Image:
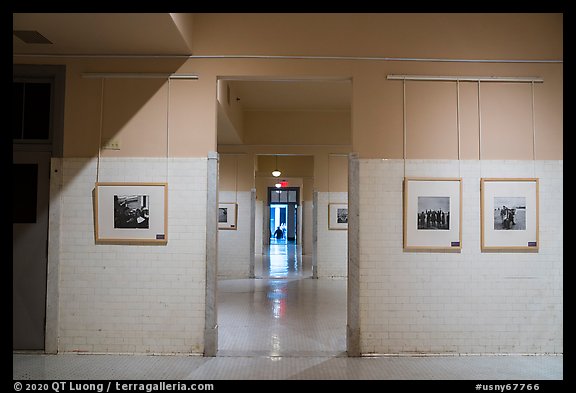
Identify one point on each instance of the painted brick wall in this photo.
(133, 298)
(234, 245)
(468, 302)
(332, 258)
(306, 223)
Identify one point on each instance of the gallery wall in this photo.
(119, 298)
(458, 302)
(124, 298)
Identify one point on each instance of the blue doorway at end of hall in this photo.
(283, 220)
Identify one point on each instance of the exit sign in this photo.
(283, 184)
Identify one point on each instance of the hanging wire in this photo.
(458, 124)
(236, 182)
(329, 198)
(479, 130)
(533, 133)
(100, 131)
(404, 124)
(167, 129)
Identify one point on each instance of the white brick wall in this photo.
(307, 211)
(468, 302)
(133, 298)
(234, 245)
(332, 257)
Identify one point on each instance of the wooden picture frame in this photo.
(131, 213)
(338, 216)
(509, 214)
(432, 214)
(227, 216)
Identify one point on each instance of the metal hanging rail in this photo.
(519, 79)
(133, 75)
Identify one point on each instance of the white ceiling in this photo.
(298, 95)
(103, 33)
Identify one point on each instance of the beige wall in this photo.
(136, 110)
(472, 35)
(431, 126)
(232, 109)
(294, 128)
(290, 166)
(235, 172)
(338, 173)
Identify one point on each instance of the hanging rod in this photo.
(132, 75)
(520, 79)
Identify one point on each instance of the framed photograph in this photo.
(131, 213)
(509, 214)
(337, 216)
(432, 214)
(227, 215)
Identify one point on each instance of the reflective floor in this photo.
(143, 367)
(283, 312)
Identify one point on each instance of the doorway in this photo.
(281, 310)
(283, 203)
(37, 129)
(29, 248)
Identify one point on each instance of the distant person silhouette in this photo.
(278, 233)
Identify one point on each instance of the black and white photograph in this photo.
(223, 214)
(432, 217)
(509, 213)
(227, 215)
(342, 215)
(131, 211)
(433, 213)
(338, 216)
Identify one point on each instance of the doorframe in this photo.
(298, 205)
(353, 258)
(57, 73)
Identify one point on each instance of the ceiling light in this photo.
(276, 172)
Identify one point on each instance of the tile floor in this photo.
(284, 312)
(283, 325)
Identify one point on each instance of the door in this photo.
(31, 187)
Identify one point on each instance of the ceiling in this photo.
(170, 34)
(294, 95)
(105, 33)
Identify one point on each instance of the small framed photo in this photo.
(432, 214)
(131, 213)
(509, 214)
(337, 216)
(227, 215)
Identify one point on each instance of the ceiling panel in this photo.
(102, 33)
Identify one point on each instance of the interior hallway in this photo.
(283, 311)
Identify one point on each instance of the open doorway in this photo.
(297, 127)
(283, 204)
